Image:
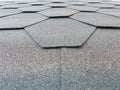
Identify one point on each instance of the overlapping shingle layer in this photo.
(60, 45)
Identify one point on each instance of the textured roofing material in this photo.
(77, 49)
(60, 33)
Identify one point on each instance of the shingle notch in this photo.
(98, 20)
(54, 33)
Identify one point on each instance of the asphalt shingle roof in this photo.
(66, 46)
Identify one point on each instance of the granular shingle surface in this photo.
(69, 45)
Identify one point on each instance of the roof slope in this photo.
(59, 46)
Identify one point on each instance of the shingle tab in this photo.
(5, 12)
(20, 20)
(97, 19)
(58, 12)
(95, 66)
(60, 33)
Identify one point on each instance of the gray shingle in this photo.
(97, 19)
(84, 8)
(5, 12)
(95, 66)
(24, 65)
(33, 8)
(58, 12)
(60, 33)
(77, 3)
(101, 5)
(57, 5)
(38, 3)
(20, 20)
(114, 12)
(14, 6)
(93, 1)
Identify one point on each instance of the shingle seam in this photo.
(19, 28)
(89, 37)
(10, 14)
(82, 22)
(108, 14)
(36, 22)
(32, 38)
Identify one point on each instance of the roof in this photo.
(60, 45)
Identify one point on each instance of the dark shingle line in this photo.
(57, 6)
(30, 11)
(5, 29)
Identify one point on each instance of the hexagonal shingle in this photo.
(58, 12)
(60, 33)
(33, 8)
(84, 8)
(97, 19)
(20, 20)
(5, 12)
